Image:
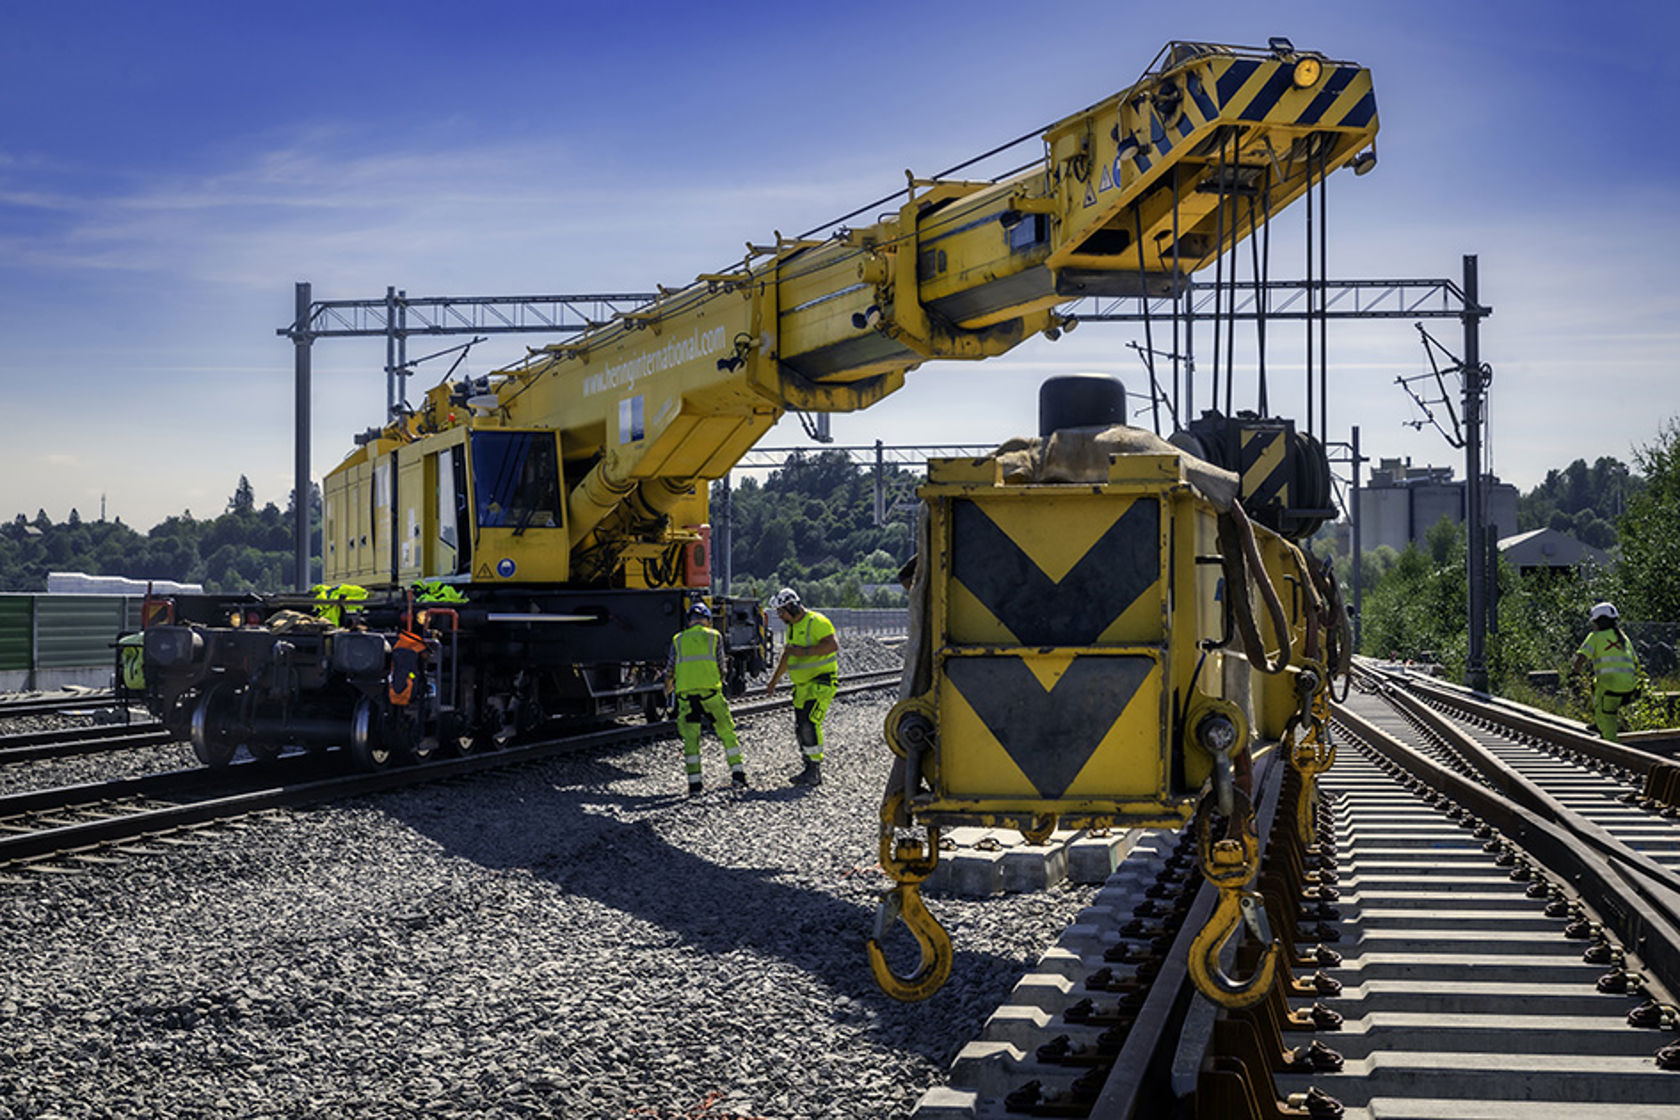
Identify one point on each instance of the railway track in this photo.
(1477, 980)
(32, 746)
(42, 828)
(1503, 901)
(102, 700)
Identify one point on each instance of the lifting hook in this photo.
(1314, 752)
(1236, 908)
(904, 903)
(908, 863)
(1229, 865)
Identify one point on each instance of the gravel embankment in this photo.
(577, 938)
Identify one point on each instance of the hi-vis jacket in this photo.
(696, 661)
(1612, 660)
(807, 630)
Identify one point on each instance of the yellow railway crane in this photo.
(551, 515)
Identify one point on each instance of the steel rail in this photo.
(1529, 794)
(65, 742)
(52, 705)
(1542, 726)
(1174, 1028)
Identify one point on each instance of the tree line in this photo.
(244, 548)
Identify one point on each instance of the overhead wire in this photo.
(1263, 285)
(1311, 411)
(1231, 319)
(1178, 289)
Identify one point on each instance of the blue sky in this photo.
(169, 170)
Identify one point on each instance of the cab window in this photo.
(516, 480)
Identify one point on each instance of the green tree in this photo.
(1650, 532)
(243, 549)
(1420, 607)
(811, 525)
(1602, 489)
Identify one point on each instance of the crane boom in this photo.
(1131, 195)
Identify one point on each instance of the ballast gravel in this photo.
(575, 938)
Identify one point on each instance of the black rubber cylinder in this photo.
(1080, 400)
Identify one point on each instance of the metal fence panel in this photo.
(76, 631)
(17, 615)
(880, 622)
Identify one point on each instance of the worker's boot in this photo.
(695, 785)
(810, 776)
(739, 777)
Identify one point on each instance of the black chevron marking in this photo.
(1267, 491)
(1123, 564)
(1208, 109)
(1260, 444)
(1049, 735)
(1362, 113)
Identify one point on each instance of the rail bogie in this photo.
(389, 678)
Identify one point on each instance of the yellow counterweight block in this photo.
(1068, 628)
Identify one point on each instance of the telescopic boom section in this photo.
(1131, 196)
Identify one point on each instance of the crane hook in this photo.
(908, 862)
(1235, 908)
(904, 903)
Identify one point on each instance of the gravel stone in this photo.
(577, 937)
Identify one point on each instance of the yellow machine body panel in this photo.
(355, 538)
(469, 503)
(1092, 722)
(1265, 125)
(1073, 629)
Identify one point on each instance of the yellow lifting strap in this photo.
(908, 863)
(1229, 865)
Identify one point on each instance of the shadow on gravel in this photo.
(608, 846)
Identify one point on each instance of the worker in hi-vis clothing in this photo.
(811, 658)
(694, 676)
(1615, 671)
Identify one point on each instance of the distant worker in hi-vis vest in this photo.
(1615, 671)
(811, 658)
(694, 676)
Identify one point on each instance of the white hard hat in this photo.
(1603, 610)
(786, 597)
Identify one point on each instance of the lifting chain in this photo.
(1230, 865)
(908, 862)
